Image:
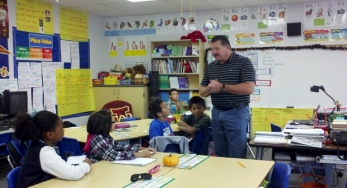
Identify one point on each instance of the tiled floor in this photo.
(5, 168)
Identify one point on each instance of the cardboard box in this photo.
(101, 75)
(98, 81)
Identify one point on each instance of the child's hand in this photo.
(143, 153)
(149, 149)
(87, 160)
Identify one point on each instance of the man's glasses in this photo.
(143, 176)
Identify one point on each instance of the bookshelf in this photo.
(195, 77)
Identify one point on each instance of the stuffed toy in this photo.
(128, 73)
(139, 69)
(193, 36)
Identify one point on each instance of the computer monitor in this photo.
(13, 102)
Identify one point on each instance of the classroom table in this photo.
(213, 172)
(222, 172)
(80, 133)
(107, 174)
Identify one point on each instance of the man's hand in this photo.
(214, 86)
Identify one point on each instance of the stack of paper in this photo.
(332, 159)
(306, 141)
(270, 138)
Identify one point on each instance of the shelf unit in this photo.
(194, 78)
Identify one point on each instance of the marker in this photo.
(241, 164)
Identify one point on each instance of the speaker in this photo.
(154, 84)
(294, 29)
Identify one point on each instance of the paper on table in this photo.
(137, 161)
(76, 159)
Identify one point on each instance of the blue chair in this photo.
(275, 128)
(346, 185)
(69, 147)
(172, 148)
(280, 176)
(4, 139)
(17, 150)
(201, 141)
(12, 178)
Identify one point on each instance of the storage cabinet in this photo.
(136, 95)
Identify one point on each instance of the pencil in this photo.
(241, 164)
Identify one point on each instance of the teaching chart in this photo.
(73, 25)
(35, 16)
(263, 117)
(49, 84)
(74, 92)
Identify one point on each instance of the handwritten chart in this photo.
(35, 16)
(75, 92)
(49, 84)
(73, 25)
(263, 117)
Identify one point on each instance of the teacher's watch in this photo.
(223, 88)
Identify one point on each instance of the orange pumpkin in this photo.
(170, 160)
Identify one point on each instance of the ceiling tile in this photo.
(132, 8)
(222, 4)
(297, 1)
(160, 6)
(262, 2)
(196, 5)
(102, 10)
(109, 1)
(74, 3)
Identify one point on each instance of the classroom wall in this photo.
(285, 92)
(95, 26)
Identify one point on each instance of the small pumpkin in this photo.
(170, 160)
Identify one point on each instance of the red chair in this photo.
(119, 109)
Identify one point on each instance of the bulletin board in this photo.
(263, 117)
(25, 51)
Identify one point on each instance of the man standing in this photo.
(230, 80)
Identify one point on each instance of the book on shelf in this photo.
(174, 66)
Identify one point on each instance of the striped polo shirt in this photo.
(236, 70)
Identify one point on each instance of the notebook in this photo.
(74, 160)
(137, 161)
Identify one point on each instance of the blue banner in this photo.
(40, 41)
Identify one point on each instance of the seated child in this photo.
(41, 161)
(159, 126)
(198, 119)
(101, 146)
(173, 100)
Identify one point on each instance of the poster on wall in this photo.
(271, 37)
(38, 49)
(325, 13)
(4, 69)
(271, 16)
(244, 38)
(135, 46)
(316, 35)
(338, 34)
(235, 19)
(73, 25)
(113, 47)
(35, 16)
(4, 25)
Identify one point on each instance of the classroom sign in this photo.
(325, 13)
(244, 38)
(35, 16)
(113, 47)
(271, 37)
(338, 34)
(271, 16)
(316, 35)
(39, 48)
(235, 19)
(135, 46)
